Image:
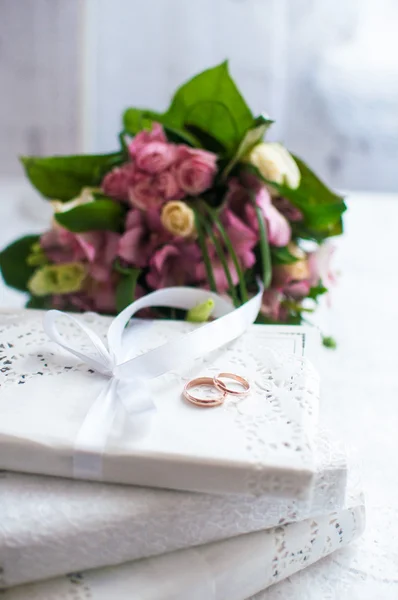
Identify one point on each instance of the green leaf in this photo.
(137, 119)
(125, 290)
(13, 262)
(206, 140)
(63, 177)
(180, 137)
(282, 256)
(210, 102)
(120, 268)
(296, 307)
(316, 291)
(313, 188)
(264, 247)
(101, 215)
(251, 138)
(293, 319)
(39, 302)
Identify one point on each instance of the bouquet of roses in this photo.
(193, 197)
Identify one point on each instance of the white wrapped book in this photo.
(232, 569)
(263, 444)
(50, 526)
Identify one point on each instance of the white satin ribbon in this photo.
(118, 389)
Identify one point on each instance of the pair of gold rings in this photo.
(217, 383)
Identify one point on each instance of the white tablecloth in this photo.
(359, 400)
(359, 403)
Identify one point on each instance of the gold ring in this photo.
(223, 388)
(202, 401)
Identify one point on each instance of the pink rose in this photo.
(144, 234)
(145, 194)
(174, 264)
(146, 137)
(116, 183)
(195, 169)
(155, 157)
(167, 185)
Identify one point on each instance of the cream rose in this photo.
(275, 164)
(178, 218)
(284, 274)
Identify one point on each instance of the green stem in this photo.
(231, 251)
(264, 247)
(223, 260)
(205, 253)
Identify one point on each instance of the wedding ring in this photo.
(200, 381)
(220, 385)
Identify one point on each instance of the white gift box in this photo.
(261, 444)
(233, 569)
(50, 526)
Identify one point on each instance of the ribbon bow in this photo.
(111, 362)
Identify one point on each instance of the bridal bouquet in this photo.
(194, 196)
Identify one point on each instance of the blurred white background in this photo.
(327, 72)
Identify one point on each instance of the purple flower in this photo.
(144, 234)
(242, 237)
(174, 264)
(287, 209)
(239, 199)
(63, 246)
(243, 240)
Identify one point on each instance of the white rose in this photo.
(275, 164)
